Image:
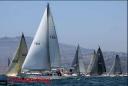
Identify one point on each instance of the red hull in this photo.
(28, 80)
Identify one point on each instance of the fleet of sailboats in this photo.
(44, 59)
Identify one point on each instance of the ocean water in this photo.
(81, 81)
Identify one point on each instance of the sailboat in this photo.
(78, 64)
(43, 55)
(116, 68)
(18, 59)
(97, 64)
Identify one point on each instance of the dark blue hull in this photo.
(3, 80)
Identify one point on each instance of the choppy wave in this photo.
(81, 81)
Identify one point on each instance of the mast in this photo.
(116, 68)
(48, 13)
(18, 59)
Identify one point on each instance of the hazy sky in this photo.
(89, 23)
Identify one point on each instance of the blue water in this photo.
(82, 81)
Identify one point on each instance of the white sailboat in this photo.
(17, 61)
(44, 54)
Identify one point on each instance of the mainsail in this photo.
(53, 43)
(18, 59)
(116, 68)
(44, 50)
(78, 63)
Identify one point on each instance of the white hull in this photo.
(112, 75)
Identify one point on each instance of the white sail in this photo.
(92, 68)
(81, 62)
(44, 51)
(82, 66)
(38, 57)
(18, 59)
(53, 43)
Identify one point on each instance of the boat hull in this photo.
(28, 80)
(3, 80)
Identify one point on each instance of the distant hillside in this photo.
(8, 47)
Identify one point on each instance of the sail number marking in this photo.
(37, 43)
(53, 37)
